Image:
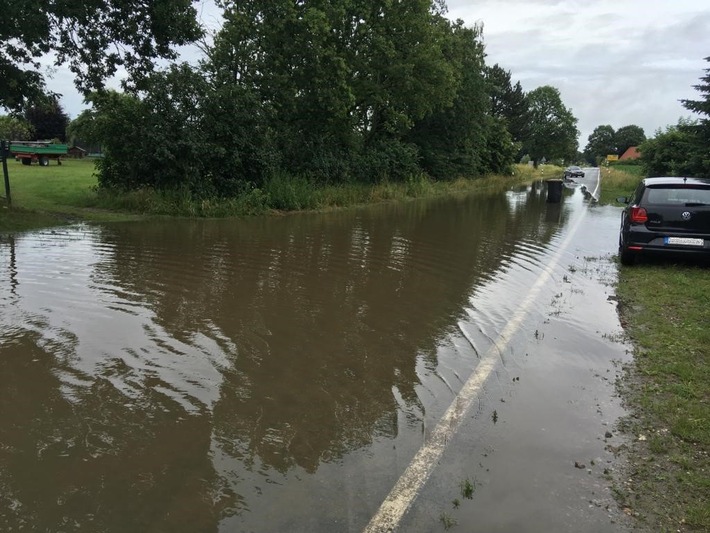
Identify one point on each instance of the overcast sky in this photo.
(616, 62)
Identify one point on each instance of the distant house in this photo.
(77, 152)
(632, 152)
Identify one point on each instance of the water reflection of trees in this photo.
(317, 320)
(92, 464)
(328, 313)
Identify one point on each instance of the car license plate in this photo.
(684, 241)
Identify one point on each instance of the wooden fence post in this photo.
(5, 150)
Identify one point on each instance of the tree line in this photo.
(333, 91)
(682, 149)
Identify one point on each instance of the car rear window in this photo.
(678, 195)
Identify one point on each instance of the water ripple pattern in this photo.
(67, 299)
(186, 375)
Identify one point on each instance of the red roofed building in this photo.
(632, 152)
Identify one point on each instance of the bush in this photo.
(387, 159)
(290, 193)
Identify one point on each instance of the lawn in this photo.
(55, 188)
(44, 196)
(55, 194)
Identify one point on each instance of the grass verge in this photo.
(45, 196)
(664, 309)
(617, 182)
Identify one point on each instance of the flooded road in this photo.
(281, 374)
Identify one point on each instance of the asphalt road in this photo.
(528, 443)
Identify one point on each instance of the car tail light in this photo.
(638, 215)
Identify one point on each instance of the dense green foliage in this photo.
(628, 136)
(47, 120)
(601, 142)
(699, 132)
(14, 129)
(684, 149)
(605, 141)
(466, 138)
(94, 38)
(326, 92)
(509, 102)
(553, 127)
(321, 93)
(671, 151)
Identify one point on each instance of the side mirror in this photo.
(622, 199)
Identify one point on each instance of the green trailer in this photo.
(37, 151)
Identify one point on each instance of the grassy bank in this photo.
(664, 309)
(618, 181)
(44, 196)
(53, 195)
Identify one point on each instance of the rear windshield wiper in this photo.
(695, 204)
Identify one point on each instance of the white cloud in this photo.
(615, 62)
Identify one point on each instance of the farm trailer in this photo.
(40, 152)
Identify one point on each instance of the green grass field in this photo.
(45, 196)
(55, 188)
(51, 195)
(618, 182)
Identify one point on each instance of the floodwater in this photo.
(279, 374)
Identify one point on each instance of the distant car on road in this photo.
(574, 172)
(669, 215)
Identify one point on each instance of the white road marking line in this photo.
(599, 182)
(422, 465)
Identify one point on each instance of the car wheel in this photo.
(626, 257)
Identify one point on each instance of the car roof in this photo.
(674, 180)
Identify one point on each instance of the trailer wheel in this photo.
(44, 161)
(26, 161)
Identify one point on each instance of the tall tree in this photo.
(94, 38)
(80, 130)
(671, 152)
(14, 129)
(508, 102)
(702, 106)
(158, 140)
(465, 139)
(336, 75)
(628, 136)
(553, 127)
(700, 130)
(601, 143)
(48, 120)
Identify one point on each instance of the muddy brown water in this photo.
(279, 374)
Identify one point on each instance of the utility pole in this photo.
(5, 151)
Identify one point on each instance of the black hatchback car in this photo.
(666, 216)
(574, 172)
